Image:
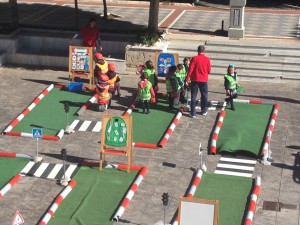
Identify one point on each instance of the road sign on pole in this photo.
(37, 133)
(18, 219)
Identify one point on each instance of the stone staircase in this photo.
(253, 57)
(50, 49)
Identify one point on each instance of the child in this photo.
(114, 80)
(186, 63)
(101, 64)
(181, 75)
(173, 87)
(231, 85)
(145, 92)
(149, 69)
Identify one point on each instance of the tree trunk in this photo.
(105, 9)
(153, 15)
(13, 14)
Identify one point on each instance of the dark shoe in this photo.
(232, 108)
(227, 101)
(172, 108)
(190, 115)
(203, 113)
(118, 95)
(144, 112)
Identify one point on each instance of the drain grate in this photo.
(272, 206)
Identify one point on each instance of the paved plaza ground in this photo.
(280, 181)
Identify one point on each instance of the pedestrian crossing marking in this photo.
(236, 166)
(86, 125)
(50, 171)
(211, 105)
(54, 171)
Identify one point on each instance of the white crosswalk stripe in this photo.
(86, 125)
(236, 166)
(50, 171)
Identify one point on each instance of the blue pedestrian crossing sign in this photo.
(37, 133)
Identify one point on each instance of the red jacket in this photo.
(199, 69)
(89, 36)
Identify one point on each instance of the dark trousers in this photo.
(203, 87)
(146, 105)
(232, 95)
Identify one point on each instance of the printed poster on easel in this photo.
(81, 62)
(164, 61)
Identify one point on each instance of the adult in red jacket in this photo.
(199, 70)
(90, 35)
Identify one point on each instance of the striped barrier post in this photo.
(15, 155)
(28, 109)
(87, 104)
(192, 190)
(170, 130)
(57, 202)
(266, 152)
(213, 144)
(130, 194)
(9, 185)
(253, 200)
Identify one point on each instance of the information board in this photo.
(164, 61)
(81, 63)
(195, 211)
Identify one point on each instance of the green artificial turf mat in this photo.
(244, 129)
(9, 167)
(149, 128)
(49, 114)
(231, 191)
(94, 198)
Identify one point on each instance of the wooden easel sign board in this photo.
(80, 59)
(195, 211)
(164, 61)
(116, 138)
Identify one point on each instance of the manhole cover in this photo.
(272, 206)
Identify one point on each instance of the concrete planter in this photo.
(138, 54)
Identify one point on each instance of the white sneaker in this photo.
(203, 113)
(192, 116)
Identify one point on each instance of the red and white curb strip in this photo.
(254, 101)
(132, 106)
(170, 129)
(28, 109)
(192, 190)
(86, 105)
(8, 186)
(253, 200)
(213, 144)
(57, 202)
(130, 194)
(14, 155)
(266, 152)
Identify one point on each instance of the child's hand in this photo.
(228, 91)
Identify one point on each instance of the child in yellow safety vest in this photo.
(173, 87)
(231, 85)
(114, 80)
(181, 75)
(149, 69)
(101, 65)
(145, 92)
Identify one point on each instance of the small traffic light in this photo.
(165, 198)
(63, 153)
(67, 107)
